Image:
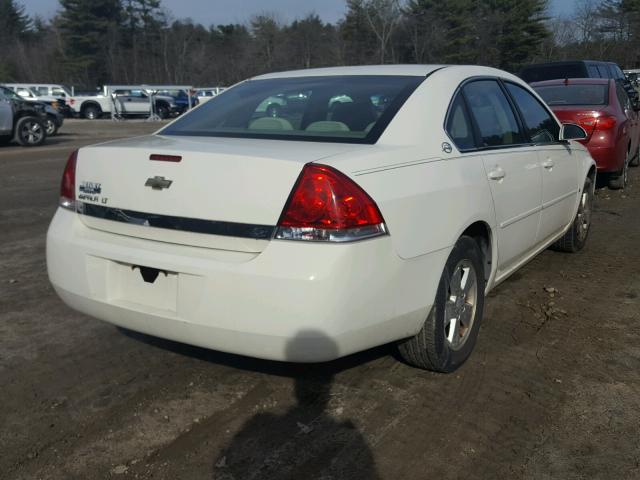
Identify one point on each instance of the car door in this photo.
(559, 162)
(6, 114)
(138, 102)
(512, 168)
(633, 123)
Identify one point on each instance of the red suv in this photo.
(603, 108)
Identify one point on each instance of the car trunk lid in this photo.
(215, 192)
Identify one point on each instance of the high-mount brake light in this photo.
(327, 206)
(165, 158)
(68, 184)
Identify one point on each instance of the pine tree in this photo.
(514, 30)
(87, 28)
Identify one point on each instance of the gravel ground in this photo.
(551, 392)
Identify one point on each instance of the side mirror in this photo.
(571, 131)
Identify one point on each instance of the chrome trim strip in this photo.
(559, 199)
(522, 216)
(186, 224)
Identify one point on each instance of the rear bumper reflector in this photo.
(185, 224)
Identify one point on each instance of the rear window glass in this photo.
(552, 72)
(574, 94)
(350, 109)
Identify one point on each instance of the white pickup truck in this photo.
(124, 100)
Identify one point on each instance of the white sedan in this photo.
(369, 205)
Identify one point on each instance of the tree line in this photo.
(92, 42)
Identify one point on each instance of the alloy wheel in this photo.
(585, 210)
(32, 132)
(460, 306)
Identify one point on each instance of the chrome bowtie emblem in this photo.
(158, 183)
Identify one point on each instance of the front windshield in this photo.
(10, 94)
(350, 109)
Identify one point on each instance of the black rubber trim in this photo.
(211, 227)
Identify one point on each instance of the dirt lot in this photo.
(552, 390)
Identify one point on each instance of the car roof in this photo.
(396, 70)
(391, 70)
(573, 81)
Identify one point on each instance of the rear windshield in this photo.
(539, 73)
(349, 109)
(574, 94)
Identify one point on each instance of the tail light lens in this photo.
(326, 205)
(606, 123)
(68, 184)
(592, 121)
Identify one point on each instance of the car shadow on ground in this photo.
(305, 441)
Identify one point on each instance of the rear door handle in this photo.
(497, 174)
(548, 164)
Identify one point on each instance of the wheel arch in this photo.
(483, 235)
(90, 103)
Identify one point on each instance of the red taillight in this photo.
(68, 184)
(606, 123)
(326, 205)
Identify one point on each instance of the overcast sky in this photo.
(239, 11)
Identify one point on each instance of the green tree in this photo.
(89, 30)
(511, 32)
(443, 31)
(359, 40)
(14, 22)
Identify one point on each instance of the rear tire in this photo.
(91, 112)
(50, 126)
(449, 333)
(575, 238)
(30, 132)
(635, 161)
(620, 180)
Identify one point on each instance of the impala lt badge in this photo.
(158, 183)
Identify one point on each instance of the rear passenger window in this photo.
(493, 114)
(540, 125)
(593, 71)
(604, 71)
(458, 125)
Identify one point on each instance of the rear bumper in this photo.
(606, 158)
(294, 301)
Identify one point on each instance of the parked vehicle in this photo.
(128, 100)
(136, 101)
(21, 121)
(604, 110)
(46, 89)
(206, 94)
(578, 69)
(180, 98)
(57, 103)
(309, 237)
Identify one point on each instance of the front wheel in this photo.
(449, 333)
(576, 237)
(50, 126)
(30, 132)
(163, 111)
